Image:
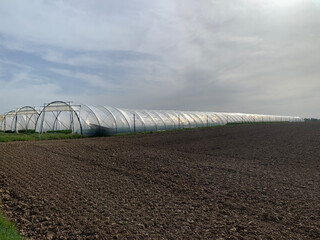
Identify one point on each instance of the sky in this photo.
(250, 56)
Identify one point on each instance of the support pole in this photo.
(42, 120)
(16, 130)
(134, 123)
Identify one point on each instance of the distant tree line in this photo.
(311, 120)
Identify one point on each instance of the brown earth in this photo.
(238, 182)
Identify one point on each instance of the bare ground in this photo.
(238, 182)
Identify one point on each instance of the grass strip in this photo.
(8, 230)
(11, 137)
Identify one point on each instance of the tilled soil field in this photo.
(235, 182)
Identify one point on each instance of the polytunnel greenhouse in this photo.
(1, 120)
(106, 120)
(24, 118)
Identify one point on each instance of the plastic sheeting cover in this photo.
(107, 120)
(21, 119)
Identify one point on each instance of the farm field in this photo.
(234, 182)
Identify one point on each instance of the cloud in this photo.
(242, 56)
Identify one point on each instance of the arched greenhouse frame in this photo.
(107, 120)
(23, 118)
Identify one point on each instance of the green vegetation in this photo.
(30, 135)
(25, 131)
(61, 131)
(311, 120)
(8, 230)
